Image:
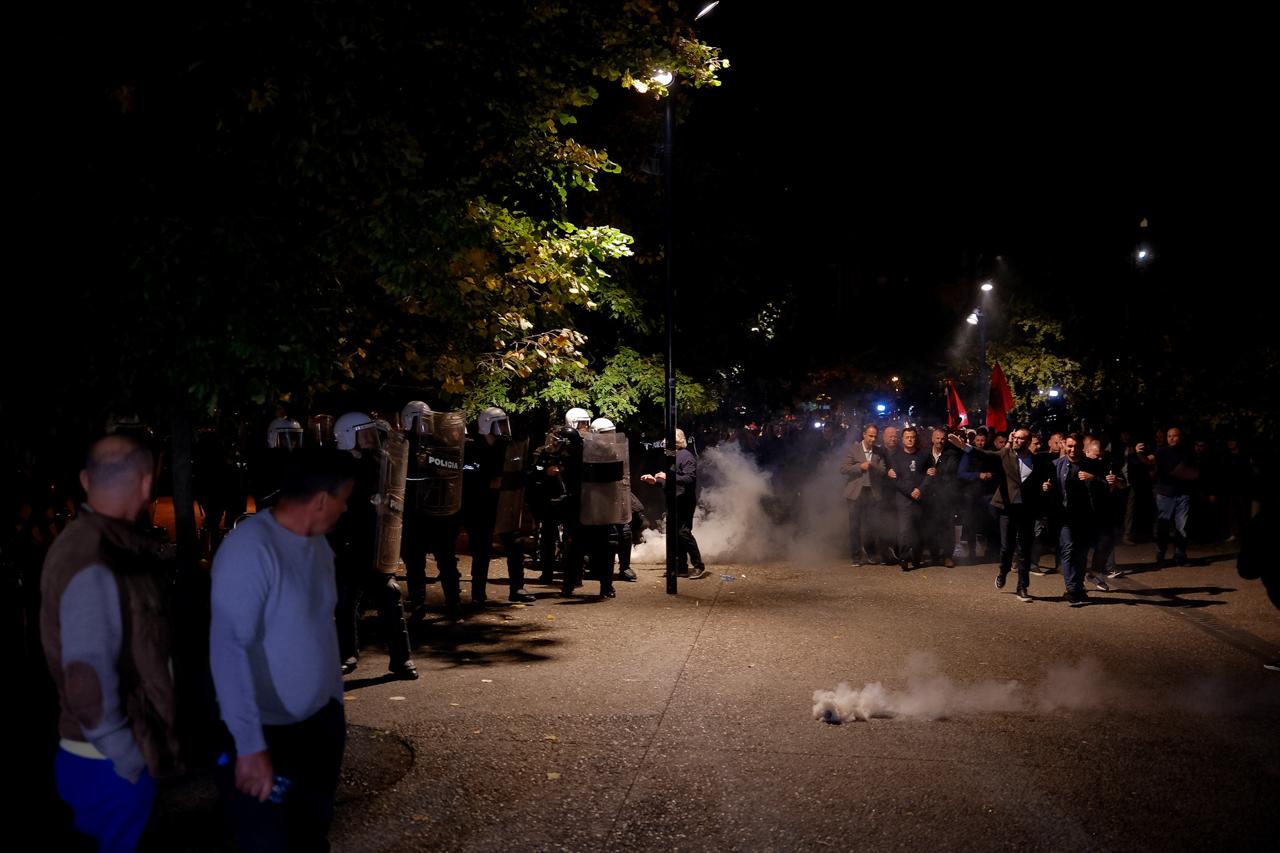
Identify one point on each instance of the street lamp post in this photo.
(669, 451)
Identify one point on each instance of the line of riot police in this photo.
(425, 480)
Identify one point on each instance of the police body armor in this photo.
(511, 494)
(547, 491)
(606, 481)
(390, 501)
(435, 463)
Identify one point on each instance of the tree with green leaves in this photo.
(280, 200)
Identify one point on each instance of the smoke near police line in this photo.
(747, 514)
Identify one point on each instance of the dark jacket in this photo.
(910, 469)
(1010, 488)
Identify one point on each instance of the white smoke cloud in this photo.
(929, 695)
(734, 525)
(1081, 686)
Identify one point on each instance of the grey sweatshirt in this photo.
(273, 647)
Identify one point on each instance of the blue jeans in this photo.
(107, 807)
(1172, 510)
(1074, 539)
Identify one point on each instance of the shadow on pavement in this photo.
(481, 642)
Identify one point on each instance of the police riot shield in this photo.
(320, 431)
(511, 496)
(436, 464)
(390, 500)
(606, 480)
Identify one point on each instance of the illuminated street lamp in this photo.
(978, 317)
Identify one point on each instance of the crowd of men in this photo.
(913, 491)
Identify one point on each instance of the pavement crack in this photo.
(648, 747)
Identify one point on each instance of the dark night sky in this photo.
(862, 149)
(905, 141)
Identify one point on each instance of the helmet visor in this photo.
(289, 439)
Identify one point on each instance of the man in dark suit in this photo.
(1071, 503)
(1016, 501)
(863, 465)
(906, 472)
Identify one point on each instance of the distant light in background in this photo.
(663, 78)
(706, 10)
(881, 407)
(1054, 393)
(987, 286)
(972, 319)
(893, 379)
(817, 424)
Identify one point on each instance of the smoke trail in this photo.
(1081, 686)
(929, 695)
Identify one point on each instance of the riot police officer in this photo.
(621, 536)
(354, 541)
(598, 492)
(546, 497)
(433, 500)
(493, 469)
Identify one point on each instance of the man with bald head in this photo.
(108, 651)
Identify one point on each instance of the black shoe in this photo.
(405, 671)
(1273, 665)
(546, 579)
(453, 611)
(349, 665)
(1023, 595)
(904, 565)
(697, 573)
(519, 596)
(918, 565)
(628, 574)
(1000, 579)
(1079, 598)
(608, 593)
